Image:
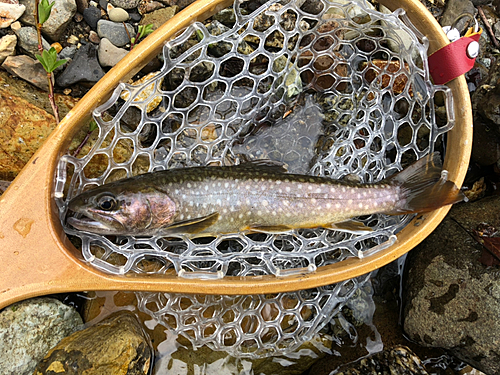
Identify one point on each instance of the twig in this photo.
(488, 27)
(52, 100)
(83, 142)
(38, 28)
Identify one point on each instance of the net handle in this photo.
(38, 258)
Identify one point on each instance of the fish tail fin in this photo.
(424, 187)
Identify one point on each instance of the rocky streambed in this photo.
(433, 312)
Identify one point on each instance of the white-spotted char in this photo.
(253, 197)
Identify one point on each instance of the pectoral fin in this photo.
(192, 226)
(350, 226)
(274, 229)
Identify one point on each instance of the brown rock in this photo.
(158, 17)
(24, 122)
(17, 87)
(116, 345)
(180, 3)
(28, 69)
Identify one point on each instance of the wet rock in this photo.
(115, 32)
(451, 299)
(29, 329)
(26, 120)
(226, 17)
(83, 68)
(180, 3)
(454, 10)
(92, 15)
(29, 94)
(7, 47)
(114, 346)
(28, 69)
(109, 54)
(10, 11)
(486, 99)
(125, 4)
(204, 359)
(60, 16)
(398, 360)
(27, 39)
(135, 17)
(158, 17)
(118, 15)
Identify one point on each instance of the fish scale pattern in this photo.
(329, 88)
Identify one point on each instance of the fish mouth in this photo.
(88, 224)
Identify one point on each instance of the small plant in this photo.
(92, 127)
(142, 32)
(48, 59)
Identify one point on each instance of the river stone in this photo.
(452, 300)
(28, 329)
(115, 346)
(158, 17)
(28, 69)
(125, 4)
(109, 54)
(7, 46)
(118, 15)
(28, 40)
(455, 9)
(486, 99)
(398, 360)
(180, 3)
(115, 32)
(60, 16)
(10, 12)
(83, 68)
(92, 15)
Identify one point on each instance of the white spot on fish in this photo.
(313, 200)
(176, 191)
(265, 203)
(310, 187)
(189, 185)
(349, 201)
(224, 211)
(343, 189)
(240, 216)
(360, 205)
(337, 205)
(301, 204)
(184, 196)
(287, 189)
(259, 213)
(231, 219)
(226, 185)
(299, 186)
(181, 217)
(328, 205)
(318, 190)
(218, 202)
(206, 187)
(278, 182)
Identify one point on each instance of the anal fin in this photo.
(192, 226)
(350, 226)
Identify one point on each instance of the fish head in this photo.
(121, 210)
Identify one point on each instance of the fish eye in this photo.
(106, 203)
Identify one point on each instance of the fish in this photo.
(257, 196)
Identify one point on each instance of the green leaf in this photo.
(49, 61)
(92, 126)
(44, 9)
(145, 30)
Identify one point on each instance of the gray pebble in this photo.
(115, 32)
(68, 52)
(125, 4)
(92, 15)
(28, 40)
(83, 68)
(109, 55)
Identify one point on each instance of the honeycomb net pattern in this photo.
(329, 88)
(251, 326)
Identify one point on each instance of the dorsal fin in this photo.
(265, 165)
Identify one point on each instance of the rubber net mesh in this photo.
(332, 89)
